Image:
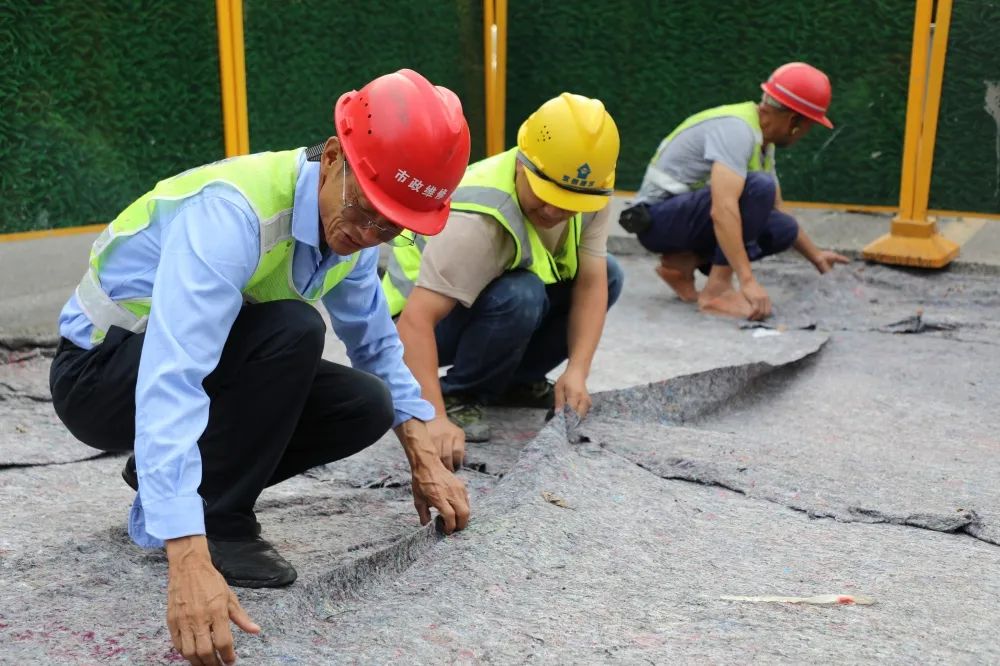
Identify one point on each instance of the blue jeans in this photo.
(683, 223)
(515, 332)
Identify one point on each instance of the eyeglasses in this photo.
(530, 166)
(387, 232)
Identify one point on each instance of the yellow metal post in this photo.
(928, 134)
(240, 78)
(232, 76)
(913, 239)
(226, 76)
(495, 72)
(500, 90)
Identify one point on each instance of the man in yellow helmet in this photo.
(519, 280)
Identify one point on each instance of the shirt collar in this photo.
(305, 209)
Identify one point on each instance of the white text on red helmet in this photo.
(417, 185)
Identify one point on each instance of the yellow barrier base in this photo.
(912, 243)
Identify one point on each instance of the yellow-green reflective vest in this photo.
(745, 111)
(266, 180)
(488, 188)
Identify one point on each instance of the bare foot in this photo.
(729, 303)
(682, 283)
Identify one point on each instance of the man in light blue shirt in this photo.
(192, 340)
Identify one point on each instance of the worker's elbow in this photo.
(414, 323)
(725, 209)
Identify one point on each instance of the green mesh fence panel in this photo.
(98, 101)
(302, 55)
(966, 172)
(655, 63)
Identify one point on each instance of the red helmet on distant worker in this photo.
(407, 142)
(803, 89)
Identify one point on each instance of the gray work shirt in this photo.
(689, 156)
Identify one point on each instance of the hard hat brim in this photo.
(789, 103)
(554, 195)
(428, 223)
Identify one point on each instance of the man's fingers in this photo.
(461, 506)
(457, 455)
(240, 617)
(222, 636)
(448, 516)
(841, 259)
(422, 510)
(445, 452)
(204, 648)
(459, 498)
(188, 648)
(575, 402)
(560, 396)
(184, 642)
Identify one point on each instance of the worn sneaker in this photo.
(467, 415)
(540, 394)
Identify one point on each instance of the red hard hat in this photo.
(803, 89)
(408, 145)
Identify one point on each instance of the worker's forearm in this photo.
(417, 444)
(586, 323)
(804, 246)
(420, 356)
(729, 234)
(185, 551)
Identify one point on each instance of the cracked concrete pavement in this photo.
(831, 452)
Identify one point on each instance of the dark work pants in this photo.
(515, 332)
(277, 408)
(683, 223)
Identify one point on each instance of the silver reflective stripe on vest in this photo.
(102, 242)
(397, 277)
(274, 231)
(665, 181)
(491, 197)
(101, 310)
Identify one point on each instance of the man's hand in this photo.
(433, 485)
(450, 440)
(571, 391)
(200, 605)
(825, 260)
(757, 296)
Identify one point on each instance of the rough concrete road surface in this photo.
(849, 447)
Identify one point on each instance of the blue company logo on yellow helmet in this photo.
(582, 172)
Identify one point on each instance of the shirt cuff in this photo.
(413, 409)
(175, 517)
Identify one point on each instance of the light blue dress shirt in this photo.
(195, 258)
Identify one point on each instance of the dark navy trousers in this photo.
(683, 223)
(515, 332)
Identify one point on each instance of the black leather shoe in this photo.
(251, 563)
(130, 475)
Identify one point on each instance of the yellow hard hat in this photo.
(569, 148)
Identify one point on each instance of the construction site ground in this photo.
(849, 447)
